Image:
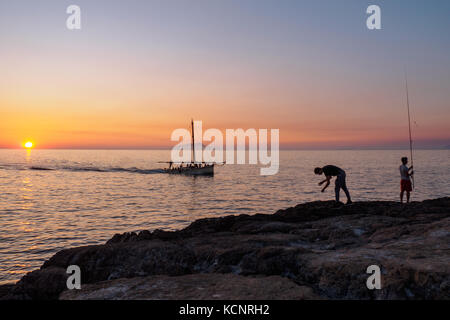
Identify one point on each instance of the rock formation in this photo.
(316, 250)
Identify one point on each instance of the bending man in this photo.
(332, 171)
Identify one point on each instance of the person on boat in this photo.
(405, 180)
(331, 171)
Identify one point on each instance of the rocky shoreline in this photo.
(316, 250)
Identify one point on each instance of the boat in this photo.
(193, 168)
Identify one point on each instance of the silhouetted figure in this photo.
(405, 180)
(332, 171)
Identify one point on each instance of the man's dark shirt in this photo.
(332, 170)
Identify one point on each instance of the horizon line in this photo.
(281, 149)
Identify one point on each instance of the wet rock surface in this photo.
(320, 246)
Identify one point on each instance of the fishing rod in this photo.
(409, 127)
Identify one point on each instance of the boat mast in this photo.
(193, 140)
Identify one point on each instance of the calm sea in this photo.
(55, 199)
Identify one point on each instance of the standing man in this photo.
(332, 171)
(405, 182)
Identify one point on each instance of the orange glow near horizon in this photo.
(127, 107)
(128, 118)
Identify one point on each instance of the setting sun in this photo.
(28, 145)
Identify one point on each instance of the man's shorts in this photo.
(405, 185)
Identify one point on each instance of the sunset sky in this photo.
(137, 70)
